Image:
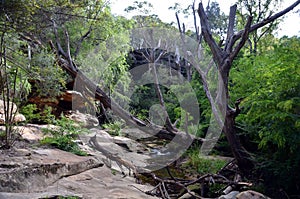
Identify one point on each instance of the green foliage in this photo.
(114, 128)
(33, 115)
(272, 93)
(270, 116)
(204, 164)
(204, 105)
(142, 7)
(216, 18)
(49, 79)
(63, 136)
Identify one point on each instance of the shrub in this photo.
(63, 137)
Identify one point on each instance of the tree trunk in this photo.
(242, 157)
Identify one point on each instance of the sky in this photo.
(290, 25)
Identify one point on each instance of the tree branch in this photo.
(207, 34)
(267, 20)
(230, 31)
(195, 22)
(82, 38)
(242, 41)
(69, 51)
(60, 50)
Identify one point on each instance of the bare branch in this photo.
(195, 21)
(69, 51)
(60, 50)
(267, 20)
(231, 24)
(82, 38)
(243, 39)
(216, 50)
(178, 22)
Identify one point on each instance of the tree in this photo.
(224, 57)
(14, 85)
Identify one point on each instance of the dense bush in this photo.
(270, 118)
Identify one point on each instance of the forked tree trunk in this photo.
(223, 56)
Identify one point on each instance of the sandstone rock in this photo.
(17, 117)
(127, 150)
(251, 195)
(85, 120)
(31, 132)
(135, 133)
(187, 196)
(49, 173)
(231, 195)
(97, 183)
(129, 144)
(11, 104)
(40, 169)
(73, 100)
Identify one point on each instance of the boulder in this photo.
(17, 116)
(11, 104)
(97, 183)
(251, 195)
(85, 120)
(188, 196)
(231, 195)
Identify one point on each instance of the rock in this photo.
(127, 150)
(40, 169)
(187, 196)
(72, 100)
(11, 104)
(97, 183)
(85, 120)
(251, 195)
(17, 117)
(231, 195)
(38, 173)
(102, 183)
(129, 144)
(31, 132)
(135, 133)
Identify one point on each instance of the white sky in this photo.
(290, 26)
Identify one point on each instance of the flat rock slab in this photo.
(28, 172)
(92, 184)
(32, 170)
(99, 182)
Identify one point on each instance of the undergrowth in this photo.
(204, 164)
(64, 135)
